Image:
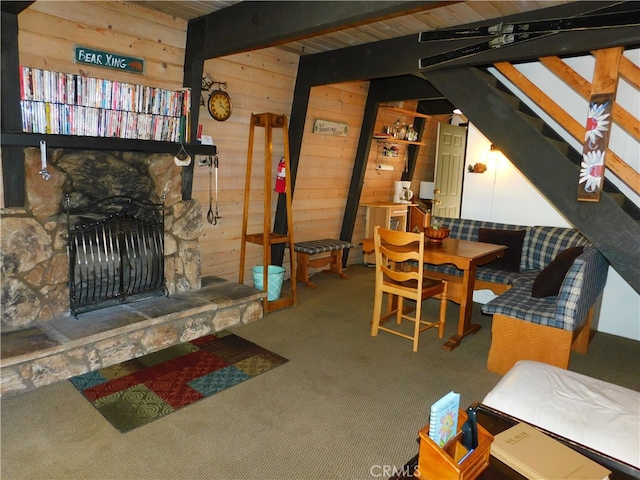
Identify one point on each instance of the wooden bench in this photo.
(332, 247)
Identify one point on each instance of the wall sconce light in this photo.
(477, 168)
(490, 158)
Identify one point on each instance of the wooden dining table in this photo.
(466, 255)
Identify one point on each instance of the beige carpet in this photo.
(345, 406)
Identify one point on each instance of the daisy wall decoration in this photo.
(596, 141)
(597, 122)
(592, 170)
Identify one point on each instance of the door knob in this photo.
(436, 191)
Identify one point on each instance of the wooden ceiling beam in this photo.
(364, 62)
(253, 25)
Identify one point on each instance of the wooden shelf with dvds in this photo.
(70, 104)
(14, 138)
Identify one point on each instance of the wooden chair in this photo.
(400, 280)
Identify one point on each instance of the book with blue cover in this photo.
(443, 422)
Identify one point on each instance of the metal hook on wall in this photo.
(207, 83)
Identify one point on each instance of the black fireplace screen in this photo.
(116, 253)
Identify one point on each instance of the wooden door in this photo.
(450, 150)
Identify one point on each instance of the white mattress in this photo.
(597, 414)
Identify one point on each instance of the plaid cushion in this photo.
(314, 247)
(543, 244)
(580, 289)
(494, 275)
(517, 302)
(482, 273)
(582, 285)
(465, 229)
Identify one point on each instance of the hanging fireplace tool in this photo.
(212, 163)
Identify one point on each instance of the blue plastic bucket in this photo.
(275, 277)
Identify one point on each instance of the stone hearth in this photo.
(52, 351)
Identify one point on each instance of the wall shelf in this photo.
(399, 142)
(400, 111)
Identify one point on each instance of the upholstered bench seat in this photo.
(594, 413)
(330, 246)
(314, 247)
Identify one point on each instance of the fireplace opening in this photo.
(116, 252)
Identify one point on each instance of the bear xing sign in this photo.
(109, 60)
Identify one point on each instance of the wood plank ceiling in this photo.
(432, 16)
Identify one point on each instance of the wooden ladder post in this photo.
(267, 238)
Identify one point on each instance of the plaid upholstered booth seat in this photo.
(525, 327)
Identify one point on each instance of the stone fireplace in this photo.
(34, 244)
(41, 342)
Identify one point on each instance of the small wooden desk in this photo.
(465, 255)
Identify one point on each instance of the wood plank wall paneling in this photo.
(258, 81)
(50, 30)
(326, 161)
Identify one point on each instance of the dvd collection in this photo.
(69, 104)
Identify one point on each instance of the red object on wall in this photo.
(281, 177)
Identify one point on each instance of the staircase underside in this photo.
(604, 223)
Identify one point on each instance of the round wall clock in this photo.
(219, 105)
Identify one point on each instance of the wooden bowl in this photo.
(436, 235)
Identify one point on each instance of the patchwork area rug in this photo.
(139, 391)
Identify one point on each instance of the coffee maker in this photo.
(402, 193)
